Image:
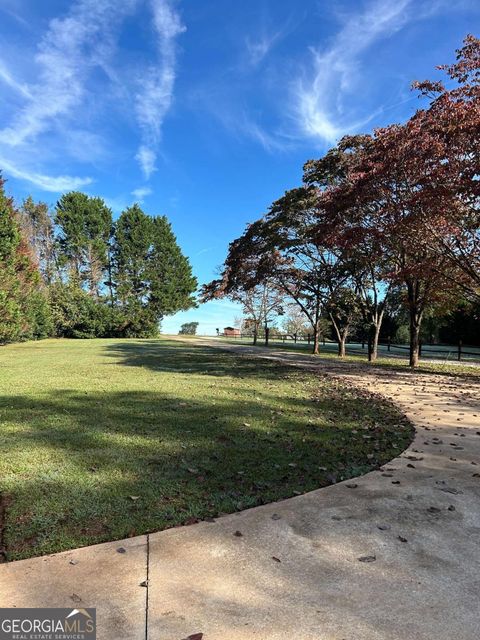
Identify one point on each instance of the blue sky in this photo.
(204, 110)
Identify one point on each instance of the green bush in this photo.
(38, 315)
(402, 336)
(10, 312)
(76, 314)
(136, 321)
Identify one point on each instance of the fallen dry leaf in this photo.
(367, 558)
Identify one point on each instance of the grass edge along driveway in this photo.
(105, 439)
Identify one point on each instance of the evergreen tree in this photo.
(85, 225)
(76, 314)
(169, 272)
(10, 310)
(22, 304)
(132, 241)
(152, 276)
(52, 271)
(38, 229)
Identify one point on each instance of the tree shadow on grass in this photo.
(82, 468)
(385, 365)
(170, 356)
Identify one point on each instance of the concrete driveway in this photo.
(396, 557)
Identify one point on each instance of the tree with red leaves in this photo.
(346, 233)
(282, 247)
(450, 130)
(389, 194)
(398, 209)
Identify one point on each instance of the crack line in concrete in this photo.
(148, 587)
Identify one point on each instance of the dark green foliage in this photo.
(152, 276)
(139, 321)
(10, 310)
(440, 325)
(133, 233)
(39, 316)
(76, 314)
(169, 272)
(463, 324)
(188, 329)
(76, 275)
(9, 232)
(85, 225)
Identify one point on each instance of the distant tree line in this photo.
(75, 273)
(188, 329)
(460, 322)
(384, 229)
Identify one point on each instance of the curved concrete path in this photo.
(295, 570)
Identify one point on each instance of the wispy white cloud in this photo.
(243, 124)
(14, 14)
(146, 158)
(202, 251)
(155, 97)
(141, 193)
(8, 78)
(116, 203)
(71, 47)
(56, 184)
(268, 33)
(258, 48)
(68, 52)
(318, 95)
(234, 117)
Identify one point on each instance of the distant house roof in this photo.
(231, 331)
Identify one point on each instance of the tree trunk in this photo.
(373, 341)
(316, 340)
(254, 337)
(416, 313)
(341, 336)
(376, 335)
(316, 328)
(110, 276)
(414, 340)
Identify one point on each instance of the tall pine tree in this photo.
(85, 225)
(169, 272)
(152, 276)
(38, 228)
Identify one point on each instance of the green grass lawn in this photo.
(103, 439)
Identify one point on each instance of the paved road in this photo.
(295, 571)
